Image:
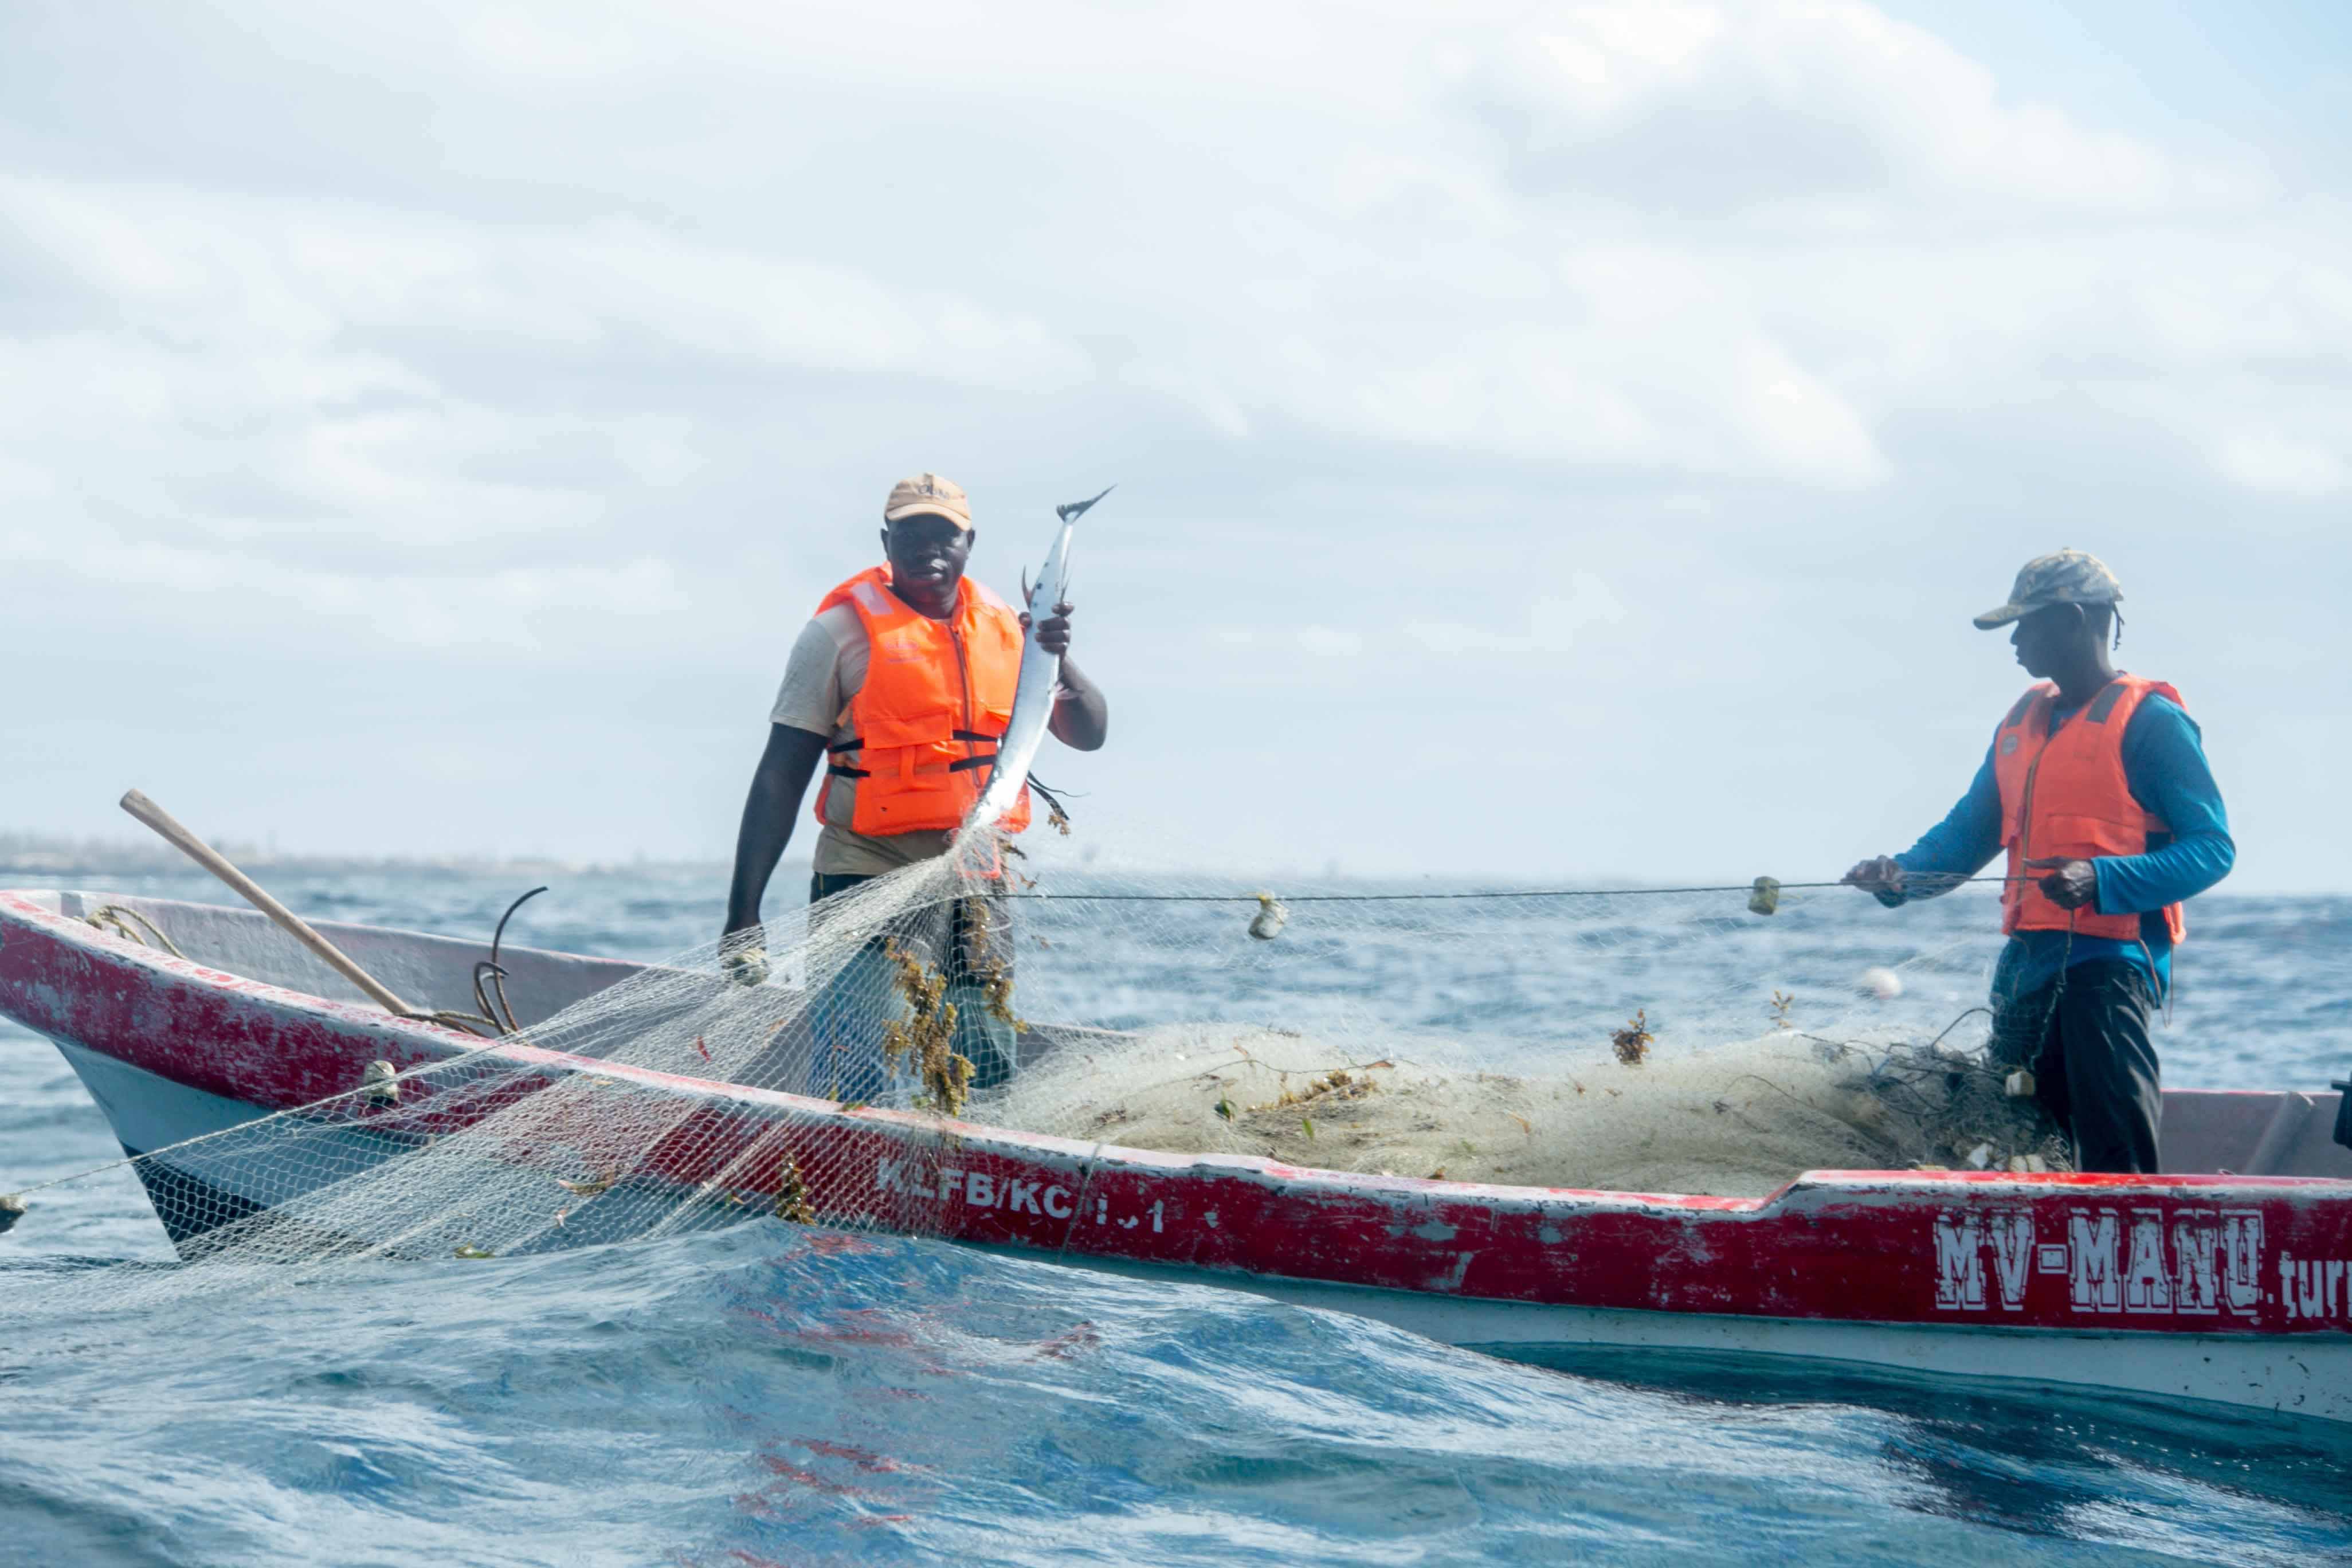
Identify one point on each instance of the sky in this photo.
(1552, 441)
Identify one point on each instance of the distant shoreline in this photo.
(47, 857)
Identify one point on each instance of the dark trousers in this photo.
(967, 942)
(2085, 1039)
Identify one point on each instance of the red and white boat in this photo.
(2229, 1282)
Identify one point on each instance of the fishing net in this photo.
(1708, 1040)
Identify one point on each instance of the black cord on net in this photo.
(1938, 884)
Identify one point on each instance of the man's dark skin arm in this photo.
(1081, 715)
(768, 814)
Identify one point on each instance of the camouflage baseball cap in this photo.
(2069, 577)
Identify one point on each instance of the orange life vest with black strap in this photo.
(937, 698)
(2066, 796)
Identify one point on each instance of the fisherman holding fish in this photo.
(2097, 786)
(902, 685)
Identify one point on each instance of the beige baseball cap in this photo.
(929, 495)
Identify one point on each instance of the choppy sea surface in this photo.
(774, 1394)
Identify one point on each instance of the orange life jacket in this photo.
(2066, 796)
(937, 696)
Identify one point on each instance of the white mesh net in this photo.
(1642, 1041)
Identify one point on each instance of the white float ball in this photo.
(1883, 984)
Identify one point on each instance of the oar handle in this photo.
(213, 860)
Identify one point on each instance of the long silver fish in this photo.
(1033, 701)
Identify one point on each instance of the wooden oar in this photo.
(213, 860)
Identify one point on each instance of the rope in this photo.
(1938, 884)
(113, 916)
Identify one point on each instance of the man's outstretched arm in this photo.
(769, 811)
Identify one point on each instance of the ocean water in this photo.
(775, 1394)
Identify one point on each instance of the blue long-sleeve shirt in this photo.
(2165, 768)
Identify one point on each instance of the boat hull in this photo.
(2230, 1289)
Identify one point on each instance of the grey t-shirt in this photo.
(825, 670)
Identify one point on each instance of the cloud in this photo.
(1553, 626)
(511, 608)
(1717, 108)
(1325, 642)
(289, 272)
(2266, 460)
(1389, 278)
